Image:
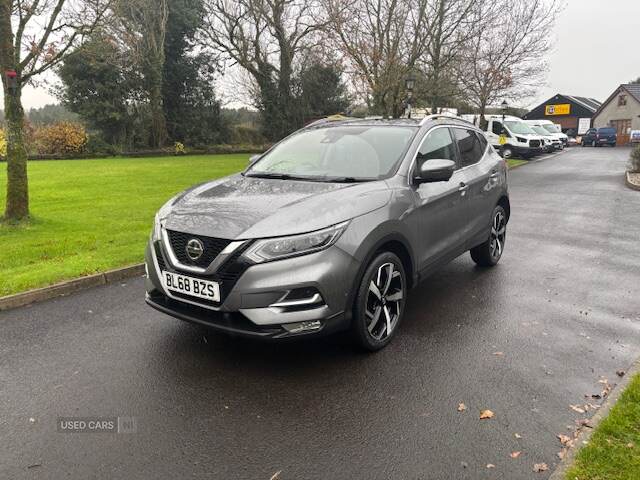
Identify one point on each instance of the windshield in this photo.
(518, 127)
(337, 153)
(607, 131)
(540, 131)
(551, 128)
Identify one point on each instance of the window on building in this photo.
(622, 100)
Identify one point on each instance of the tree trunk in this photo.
(17, 186)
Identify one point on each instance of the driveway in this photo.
(563, 307)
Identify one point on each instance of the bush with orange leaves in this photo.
(61, 138)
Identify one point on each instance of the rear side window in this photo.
(483, 141)
(438, 144)
(471, 150)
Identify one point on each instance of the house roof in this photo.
(632, 89)
(588, 103)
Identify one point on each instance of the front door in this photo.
(623, 130)
(442, 206)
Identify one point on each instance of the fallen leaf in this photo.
(562, 453)
(603, 381)
(620, 373)
(576, 408)
(630, 445)
(462, 407)
(499, 354)
(32, 420)
(540, 467)
(276, 475)
(564, 439)
(517, 435)
(597, 396)
(584, 422)
(515, 454)
(490, 465)
(486, 414)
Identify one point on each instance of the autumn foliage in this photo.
(3, 144)
(62, 138)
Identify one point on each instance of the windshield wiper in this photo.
(279, 176)
(347, 179)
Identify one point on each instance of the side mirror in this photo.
(254, 158)
(435, 171)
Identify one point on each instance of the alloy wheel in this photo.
(498, 234)
(384, 301)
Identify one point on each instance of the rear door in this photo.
(441, 205)
(482, 171)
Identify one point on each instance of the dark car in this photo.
(329, 229)
(600, 136)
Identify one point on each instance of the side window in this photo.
(483, 141)
(438, 144)
(469, 146)
(497, 128)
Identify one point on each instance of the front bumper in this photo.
(249, 300)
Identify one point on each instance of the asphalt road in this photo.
(563, 306)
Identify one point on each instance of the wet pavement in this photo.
(562, 307)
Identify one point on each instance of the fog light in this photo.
(300, 327)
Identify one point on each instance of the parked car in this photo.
(596, 137)
(551, 143)
(634, 136)
(551, 129)
(520, 139)
(329, 229)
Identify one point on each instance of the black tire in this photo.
(488, 253)
(373, 313)
(594, 144)
(507, 152)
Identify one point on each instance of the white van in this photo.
(551, 141)
(553, 128)
(521, 140)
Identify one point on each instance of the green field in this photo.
(613, 452)
(93, 215)
(514, 162)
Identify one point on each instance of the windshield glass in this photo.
(519, 127)
(540, 131)
(341, 152)
(607, 131)
(551, 128)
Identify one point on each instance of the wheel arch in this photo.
(503, 201)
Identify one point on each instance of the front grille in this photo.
(227, 274)
(212, 247)
(534, 143)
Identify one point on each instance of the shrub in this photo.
(635, 159)
(246, 134)
(3, 144)
(178, 148)
(97, 145)
(62, 138)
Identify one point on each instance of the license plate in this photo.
(191, 286)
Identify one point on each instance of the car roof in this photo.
(398, 122)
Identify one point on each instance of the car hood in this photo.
(240, 207)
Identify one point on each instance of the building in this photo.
(621, 111)
(571, 112)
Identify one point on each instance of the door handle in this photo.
(463, 187)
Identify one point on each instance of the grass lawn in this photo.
(514, 162)
(93, 215)
(613, 452)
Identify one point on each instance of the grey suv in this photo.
(329, 229)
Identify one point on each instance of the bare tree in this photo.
(265, 38)
(382, 41)
(452, 24)
(142, 26)
(506, 60)
(35, 35)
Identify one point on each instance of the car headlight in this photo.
(521, 140)
(283, 247)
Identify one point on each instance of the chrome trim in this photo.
(316, 298)
(167, 292)
(213, 266)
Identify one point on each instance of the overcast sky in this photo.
(596, 49)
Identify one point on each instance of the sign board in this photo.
(584, 124)
(560, 109)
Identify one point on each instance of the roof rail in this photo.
(329, 119)
(435, 116)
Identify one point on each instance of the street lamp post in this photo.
(504, 105)
(409, 83)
